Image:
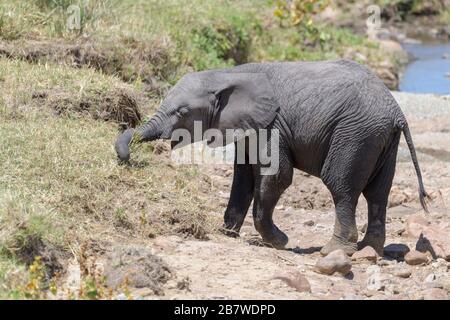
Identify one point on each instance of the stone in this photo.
(367, 253)
(415, 258)
(403, 273)
(434, 240)
(336, 261)
(295, 280)
(435, 294)
(396, 250)
(431, 281)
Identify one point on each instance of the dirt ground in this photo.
(228, 268)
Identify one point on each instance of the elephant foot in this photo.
(375, 241)
(276, 238)
(336, 244)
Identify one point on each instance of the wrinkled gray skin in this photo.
(337, 121)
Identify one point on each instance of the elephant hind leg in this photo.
(346, 171)
(376, 194)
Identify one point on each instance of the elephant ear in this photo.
(244, 101)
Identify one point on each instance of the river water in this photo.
(429, 72)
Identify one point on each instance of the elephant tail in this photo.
(423, 195)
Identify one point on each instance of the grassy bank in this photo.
(60, 184)
(66, 92)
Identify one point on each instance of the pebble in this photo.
(396, 250)
(336, 261)
(434, 240)
(403, 273)
(415, 258)
(367, 253)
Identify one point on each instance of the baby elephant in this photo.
(335, 120)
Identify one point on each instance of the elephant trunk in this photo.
(149, 131)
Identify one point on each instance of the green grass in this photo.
(141, 40)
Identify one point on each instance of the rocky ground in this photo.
(172, 267)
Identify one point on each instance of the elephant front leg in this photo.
(240, 198)
(268, 190)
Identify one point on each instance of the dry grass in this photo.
(60, 183)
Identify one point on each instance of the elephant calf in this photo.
(336, 121)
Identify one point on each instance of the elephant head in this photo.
(217, 99)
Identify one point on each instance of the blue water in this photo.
(428, 73)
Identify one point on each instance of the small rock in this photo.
(309, 223)
(403, 273)
(367, 253)
(436, 241)
(396, 250)
(415, 257)
(296, 280)
(446, 56)
(336, 261)
(435, 294)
